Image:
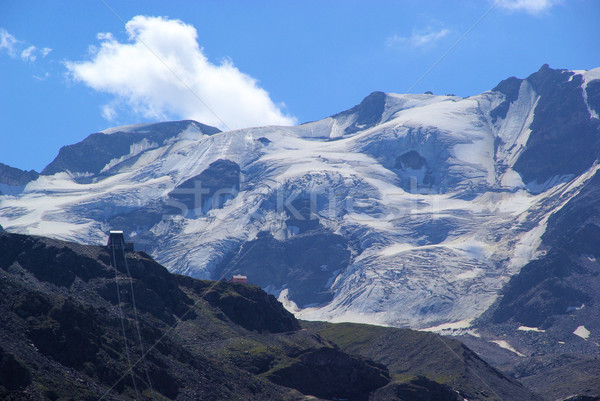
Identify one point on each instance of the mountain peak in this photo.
(16, 177)
(95, 152)
(366, 114)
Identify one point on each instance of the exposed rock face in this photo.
(411, 159)
(95, 152)
(567, 276)
(366, 114)
(564, 140)
(510, 88)
(208, 190)
(593, 95)
(309, 260)
(16, 177)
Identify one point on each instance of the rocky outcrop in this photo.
(366, 114)
(245, 305)
(93, 153)
(331, 374)
(308, 260)
(15, 177)
(564, 140)
(208, 190)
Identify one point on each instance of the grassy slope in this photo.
(409, 354)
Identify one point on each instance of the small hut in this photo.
(238, 278)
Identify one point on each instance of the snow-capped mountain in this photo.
(404, 210)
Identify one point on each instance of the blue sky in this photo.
(71, 68)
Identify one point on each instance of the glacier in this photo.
(419, 207)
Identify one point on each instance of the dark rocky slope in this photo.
(556, 293)
(367, 114)
(93, 153)
(564, 140)
(16, 177)
(64, 312)
(61, 323)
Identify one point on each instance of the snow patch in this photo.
(589, 76)
(469, 274)
(134, 150)
(125, 128)
(512, 179)
(572, 308)
(507, 346)
(395, 249)
(287, 302)
(582, 332)
(525, 328)
(463, 324)
(526, 248)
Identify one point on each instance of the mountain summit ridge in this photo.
(432, 203)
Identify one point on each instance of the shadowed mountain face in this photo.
(208, 190)
(69, 317)
(13, 180)
(566, 277)
(16, 177)
(62, 299)
(510, 88)
(564, 139)
(95, 152)
(449, 373)
(555, 301)
(366, 114)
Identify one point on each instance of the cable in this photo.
(137, 323)
(170, 329)
(443, 56)
(112, 246)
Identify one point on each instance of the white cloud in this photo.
(108, 112)
(15, 47)
(7, 42)
(418, 38)
(28, 54)
(530, 6)
(42, 77)
(162, 72)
